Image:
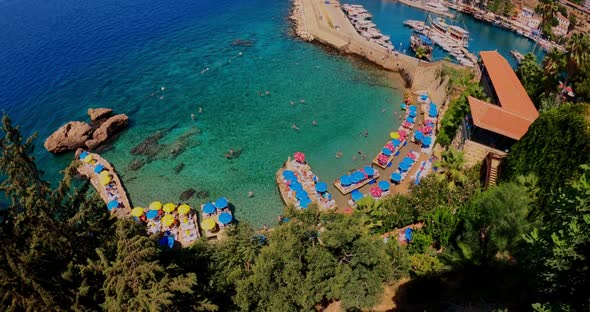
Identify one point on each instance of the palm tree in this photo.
(578, 54)
(451, 168)
(422, 52)
(553, 64)
(548, 9)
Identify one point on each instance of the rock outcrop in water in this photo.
(97, 114)
(69, 137)
(79, 134)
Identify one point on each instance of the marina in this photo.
(361, 20)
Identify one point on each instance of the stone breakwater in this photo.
(298, 19)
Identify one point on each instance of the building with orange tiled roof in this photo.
(493, 127)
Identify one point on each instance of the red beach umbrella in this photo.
(390, 146)
(382, 159)
(376, 191)
(299, 157)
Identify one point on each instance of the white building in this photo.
(528, 17)
(562, 28)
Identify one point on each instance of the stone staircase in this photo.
(492, 176)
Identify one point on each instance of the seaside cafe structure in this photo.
(491, 129)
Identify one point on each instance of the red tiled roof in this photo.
(515, 112)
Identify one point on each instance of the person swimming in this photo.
(366, 133)
(294, 126)
(314, 123)
(204, 70)
(338, 154)
(267, 93)
(200, 110)
(292, 103)
(193, 116)
(302, 101)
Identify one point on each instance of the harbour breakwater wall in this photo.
(326, 23)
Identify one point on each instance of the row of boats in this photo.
(360, 18)
(450, 38)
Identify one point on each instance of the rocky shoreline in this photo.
(299, 21)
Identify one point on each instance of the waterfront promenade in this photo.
(420, 5)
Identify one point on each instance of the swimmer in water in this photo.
(204, 70)
(383, 110)
(267, 93)
(200, 110)
(240, 54)
(250, 194)
(161, 97)
(314, 123)
(193, 116)
(366, 133)
(302, 101)
(338, 154)
(163, 88)
(259, 93)
(294, 126)
(292, 103)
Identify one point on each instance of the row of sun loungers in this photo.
(399, 139)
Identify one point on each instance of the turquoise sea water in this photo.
(61, 57)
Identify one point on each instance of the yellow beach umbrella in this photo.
(208, 224)
(87, 159)
(137, 212)
(169, 207)
(183, 209)
(156, 205)
(168, 220)
(104, 179)
(394, 135)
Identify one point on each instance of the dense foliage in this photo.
(461, 85)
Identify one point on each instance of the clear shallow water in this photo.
(61, 57)
(389, 15)
(120, 55)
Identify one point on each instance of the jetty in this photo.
(300, 187)
(105, 180)
(361, 20)
(517, 55)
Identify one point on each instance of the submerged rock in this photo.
(68, 137)
(202, 194)
(179, 168)
(99, 113)
(244, 43)
(187, 194)
(136, 164)
(150, 146)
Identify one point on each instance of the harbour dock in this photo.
(105, 180)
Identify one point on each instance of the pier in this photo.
(111, 189)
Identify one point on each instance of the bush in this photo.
(425, 264)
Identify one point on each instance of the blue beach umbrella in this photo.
(301, 194)
(209, 208)
(408, 160)
(403, 106)
(98, 168)
(296, 186)
(396, 142)
(356, 195)
(418, 136)
(304, 202)
(357, 177)
(404, 166)
(112, 204)
(225, 218)
(385, 151)
(432, 112)
(412, 113)
(221, 203)
(150, 214)
(369, 170)
(396, 177)
(83, 155)
(384, 185)
(321, 187)
(412, 108)
(345, 180)
(427, 141)
(167, 241)
(423, 97)
(288, 174)
(410, 119)
(292, 179)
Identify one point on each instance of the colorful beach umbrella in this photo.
(112, 204)
(357, 177)
(369, 171)
(418, 136)
(321, 187)
(296, 186)
(208, 208)
(410, 119)
(403, 106)
(155, 205)
(208, 224)
(299, 157)
(83, 155)
(104, 179)
(137, 212)
(168, 220)
(151, 214)
(394, 135)
(87, 159)
(183, 209)
(345, 180)
(301, 194)
(356, 195)
(396, 177)
(167, 241)
(404, 166)
(376, 191)
(98, 168)
(427, 141)
(412, 108)
(384, 185)
(225, 218)
(382, 159)
(221, 203)
(412, 114)
(304, 202)
(169, 207)
(386, 151)
(396, 142)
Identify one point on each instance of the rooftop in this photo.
(515, 111)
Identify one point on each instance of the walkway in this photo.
(116, 190)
